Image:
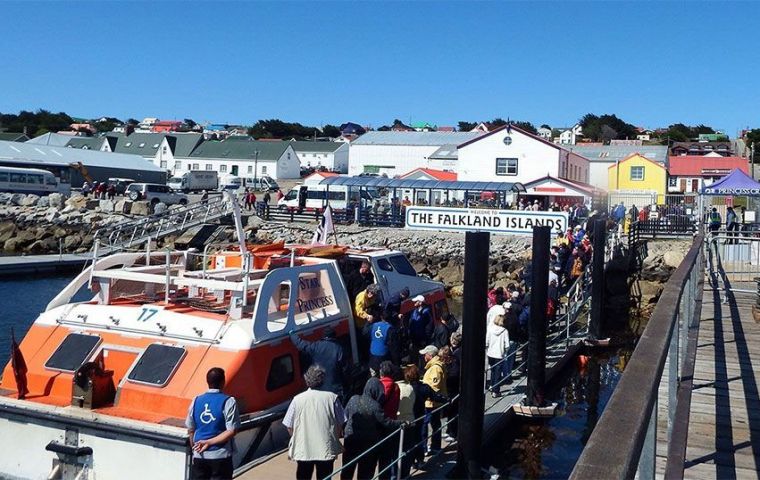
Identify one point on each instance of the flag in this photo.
(324, 229)
(19, 367)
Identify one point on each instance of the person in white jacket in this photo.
(497, 346)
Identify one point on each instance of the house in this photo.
(510, 154)
(215, 131)
(601, 156)
(393, 152)
(644, 134)
(13, 137)
(429, 174)
(166, 126)
(100, 165)
(639, 176)
(350, 128)
(423, 127)
(549, 190)
(147, 123)
(243, 156)
(545, 133)
(484, 127)
(331, 155)
(712, 137)
(83, 127)
(400, 127)
(102, 144)
(446, 129)
(164, 150)
(570, 136)
(701, 148)
(689, 173)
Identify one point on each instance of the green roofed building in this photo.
(244, 157)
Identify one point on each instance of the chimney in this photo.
(129, 129)
(26, 130)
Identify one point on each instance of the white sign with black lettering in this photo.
(514, 222)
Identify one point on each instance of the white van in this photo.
(316, 197)
(230, 182)
(262, 184)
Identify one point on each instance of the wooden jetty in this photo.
(724, 416)
(26, 264)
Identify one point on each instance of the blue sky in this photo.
(651, 63)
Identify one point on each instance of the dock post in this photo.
(472, 395)
(596, 327)
(537, 327)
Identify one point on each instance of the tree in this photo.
(593, 128)
(189, 122)
(753, 138)
(133, 122)
(331, 131)
(498, 122)
(463, 126)
(527, 126)
(544, 125)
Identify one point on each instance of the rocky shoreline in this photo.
(36, 225)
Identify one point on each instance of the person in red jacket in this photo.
(389, 450)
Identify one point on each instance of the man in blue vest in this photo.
(212, 421)
(383, 343)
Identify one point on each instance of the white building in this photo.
(331, 155)
(395, 153)
(509, 154)
(163, 149)
(570, 136)
(244, 157)
(545, 133)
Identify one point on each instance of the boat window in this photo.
(402, 265)
(3, 176)
(280, 372)
(72, 352)
(384, 264)
(157, 364)
(277, 310)
(315, 300)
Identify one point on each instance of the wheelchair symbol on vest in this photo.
(206, 416)
(378, 333)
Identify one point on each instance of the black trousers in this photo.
(365, 467)
(305, 469)
(217, 469)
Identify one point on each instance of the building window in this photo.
(506, 166)
(163, 164)
(209, 166)
(672, 181)
(637, 173)
(164, 149)
(250, 168)
(178, 165)
(263, 169)
(196, 167)
(223, 168)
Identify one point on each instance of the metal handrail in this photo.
(616, 448)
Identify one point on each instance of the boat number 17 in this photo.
(147, 314)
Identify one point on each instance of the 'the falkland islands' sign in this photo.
(515, 222)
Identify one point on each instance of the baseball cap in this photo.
(419, 298)
(430, 349)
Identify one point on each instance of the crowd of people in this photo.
(99, 190)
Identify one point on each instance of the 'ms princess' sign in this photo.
(515, 222)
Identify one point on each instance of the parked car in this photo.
(155, 193)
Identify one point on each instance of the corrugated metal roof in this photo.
(52, 139)
(415, 138)
(34, 154)
(92, 143)
(382, 182)
(614, 153)
(323, 147)
(696, 164)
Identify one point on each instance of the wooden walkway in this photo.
(724, 422)
(25, 264)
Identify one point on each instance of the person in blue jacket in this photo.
(328, 354)
(420, 324)
(212, 422)
(383, 342)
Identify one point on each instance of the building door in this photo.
(235, 170)
(695, 185)
(683, 185)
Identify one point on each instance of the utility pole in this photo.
(255, 167)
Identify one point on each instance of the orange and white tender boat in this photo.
(110, 380)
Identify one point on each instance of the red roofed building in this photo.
(317, 177)
(689, 173)
(429, 174)
(166, 126)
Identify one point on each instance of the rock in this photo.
(76, 202)
(60, 232)
(47, 245)
(140, 208)
(55, 200)
(650, 291)
(17, 198)
(122, 206)
(106, 206)
(7, 231)
(160, 208)
(5, 198)
(11, 245)
(71, 242)
(43, 202)
(92, 204)
(51, 214)
(451, 274)
(673, 258)
(255, 222)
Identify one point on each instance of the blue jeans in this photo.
(434, 421)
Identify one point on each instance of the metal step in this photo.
(120, 236)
